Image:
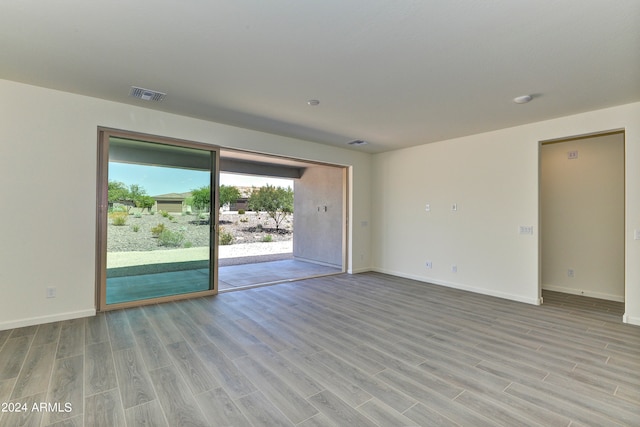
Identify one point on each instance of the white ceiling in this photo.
(396, 73)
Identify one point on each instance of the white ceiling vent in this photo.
(146, 94)
(357, 142)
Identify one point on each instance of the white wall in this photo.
(494, 179)
(582, 216)
(48, 149)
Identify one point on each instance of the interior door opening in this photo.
(152, 247)
(582, 225)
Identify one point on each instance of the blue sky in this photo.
(160, 180)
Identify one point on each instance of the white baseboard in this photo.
(359, 270)
(313, 261)
(463, 287)
(631, 319)
(584, 293)
(46, 319)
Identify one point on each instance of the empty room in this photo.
(464, 179)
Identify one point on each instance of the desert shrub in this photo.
(259, 226)
(136, 228)
(119, 218)
(152, 212)
(138, 215)
(188, 245)
(224, 237)
(170, 238)
(240, 211)
(267, 238)
(202, 216)
(164, 214)
(157, 230)
(244, 219)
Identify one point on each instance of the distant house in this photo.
(171, 202)
(241, 203)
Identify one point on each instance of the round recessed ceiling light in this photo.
(313, 102)
(522, 99)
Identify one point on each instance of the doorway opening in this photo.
(582, 220)
(155, 247)
(308, 242)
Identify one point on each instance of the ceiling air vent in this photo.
(357, 142)
(146, 94)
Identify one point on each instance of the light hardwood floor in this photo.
(360, 350)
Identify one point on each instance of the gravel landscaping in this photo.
(251, 227)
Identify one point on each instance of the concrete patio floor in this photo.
(261, 266)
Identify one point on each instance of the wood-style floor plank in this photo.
(47, 334)
(135, 385)
(178, 403)
(24, 418)
(261, 412)
(220, 410)
(365, 349)
(194, 372)
(66, 387)
(147, 414)
(36, 371)
(12, 356)
(96, 330)
(71, 341)
(384, 415)
(104, 410)
(120, 333)
(100, 373)
(338, 411)
(280, 393)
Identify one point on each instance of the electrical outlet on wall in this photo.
(51, 292)
(428, 265)
(454, 268)
(571, 273)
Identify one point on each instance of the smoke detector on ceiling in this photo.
(146, 94)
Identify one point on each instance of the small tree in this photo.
(139, 197)
(117, 192)
(134, 195)
(201, 198)
(276, 201)
(145, 202)
(228, 194)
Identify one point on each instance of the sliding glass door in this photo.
(157, 216)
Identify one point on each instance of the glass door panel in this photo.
(159, 223)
